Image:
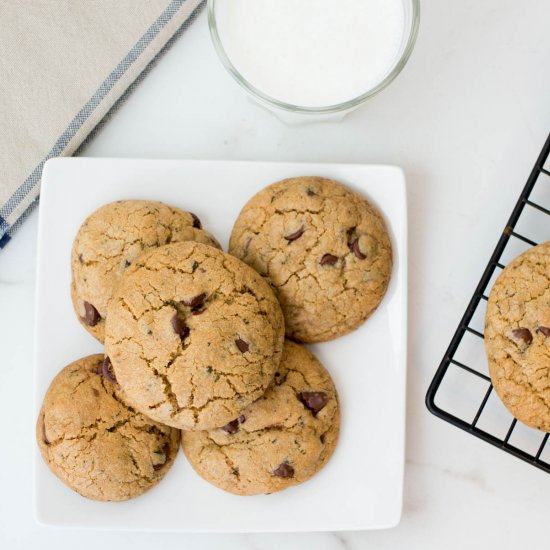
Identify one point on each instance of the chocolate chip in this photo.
(196, 302)
(242, 419)
(313, 400)
(322, 438)
(231, 427)
(295, 235)
(311, 193)
(127, 263)
(91, 315)
(544, 330)
(523, 334)
(284, 470)
(166, 452)
(106, 370)
(80, 258)
(328, 259)
(354, 246)
(196, 222)
(95, 392)
(194, 266)
(180, 327)
(242, 345)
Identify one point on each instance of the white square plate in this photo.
(361, 486)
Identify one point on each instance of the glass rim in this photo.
(338, 107)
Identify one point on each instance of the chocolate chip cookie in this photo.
(517, 337)
(280, 440)
(94, 442)
(111, 239)
(194, 335)
(324, 249)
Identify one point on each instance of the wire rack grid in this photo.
(461, 392)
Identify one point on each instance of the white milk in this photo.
(312, 53)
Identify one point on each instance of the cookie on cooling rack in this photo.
(517, 337)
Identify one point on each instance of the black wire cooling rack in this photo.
(461, 392)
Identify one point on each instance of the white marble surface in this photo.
(465, 120)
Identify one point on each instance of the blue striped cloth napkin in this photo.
(64, 67)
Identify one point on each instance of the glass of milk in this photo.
(313, 59)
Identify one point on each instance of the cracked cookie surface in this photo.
(280, 440)
(194, 335)
(95, 443)
(323, 248)
(517, 337)
(110, 240)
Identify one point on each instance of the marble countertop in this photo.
(465, 120)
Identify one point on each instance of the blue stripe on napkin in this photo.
(5, 237)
